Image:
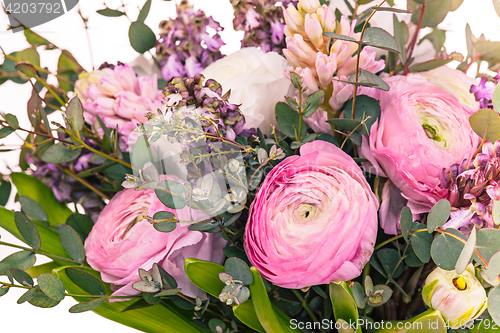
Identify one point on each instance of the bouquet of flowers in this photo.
(320, 179)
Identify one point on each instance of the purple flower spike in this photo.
(185, 47)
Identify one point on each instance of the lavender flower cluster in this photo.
(185, 47)
(263, 23)
(484, 93)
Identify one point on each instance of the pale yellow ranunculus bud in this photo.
(459, 297)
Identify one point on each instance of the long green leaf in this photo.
(269, 319)
(49, 237)
(154, 319)
(205, 275)
(344, 305)
(31, 187)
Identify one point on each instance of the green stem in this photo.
(306, 307)
(301, 115)
(83, 182)
(50, 255)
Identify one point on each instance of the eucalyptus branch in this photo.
(82, 181)
(86, 146)
(85, 24)
(358, 57)
(50, 255)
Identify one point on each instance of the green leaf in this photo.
(367, 110)
(246, 314)
(367, 77)
(51, 286)
(496, 99)
(141, 37)
(390, 9)
(434, 14)
(59, 153)
(12, 121)
(488, 243)
(296, 80)
(466, 254)
(399, 36)
(110, 12)
(313, 102)
(74, 112)
(429, 320)
(21, 276)
(82, 224)
(5, 189)
(165, 226)
(406, 222)
(156, 315)
(50, 238)
(172, 194)
(86, 281)
(39, 299)
(5, 131)
(494, 304)
(421, 242)
(288, 120)
(168, 292)
(67, 68)
(31, 187)
(27, 69)
(205, 275)
(28, 230)
(446, 249)
(268, 318)
(88, 305)
(438, 215)
(431, 64)
(347, 124)
(239, 270)
(144, 11)
(391, 262)
(34, 39)
(32, 209)
(71, 242)
(40, 269)
(21, 260)
(455, 4)
(379, 38)
(341, 37)
(437, 38)
(344, 305)
(27, 296)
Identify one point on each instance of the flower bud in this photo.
(294, 21)
(314, 30)
(309, 6)
(459, 297)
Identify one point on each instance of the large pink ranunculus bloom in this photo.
(313, 220)
(121, 242)
(118, 96)
(422, 129)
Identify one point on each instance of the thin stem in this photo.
(255, 172)
(83, 182)
(473, 60)
(358, 57)
(414, 40)
(306, 307)
(85, 20)
(390, 240)
(86, 146)
(301, 115)
(50, 255)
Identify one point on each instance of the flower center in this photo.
(139, 218)
(434, 130)
(460, 283)
(306, 212)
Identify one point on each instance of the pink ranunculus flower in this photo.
(304, 211)
(119, 97)
(421, 131)
(121, 242)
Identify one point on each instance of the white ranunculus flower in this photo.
(257, 82)
(459, 297)
(454, 82)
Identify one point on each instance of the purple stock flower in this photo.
(483, 93)
(473, 189)
(185, 47)
(263, 23)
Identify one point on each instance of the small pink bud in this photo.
(314, 30)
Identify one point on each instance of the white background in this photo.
(109, 42)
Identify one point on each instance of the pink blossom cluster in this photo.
(119, 97)
(320, 64)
